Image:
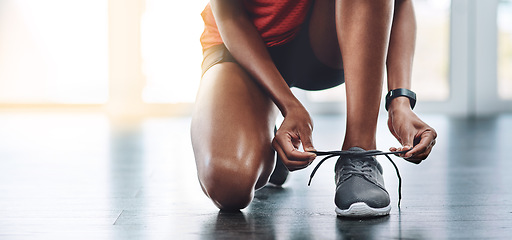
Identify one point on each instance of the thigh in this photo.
(312, 60)
(232, 128)
(322, 33)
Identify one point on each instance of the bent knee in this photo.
(228, 192)
(230, 198)
(229, 186)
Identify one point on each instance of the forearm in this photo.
(401, 46)
(245, 44)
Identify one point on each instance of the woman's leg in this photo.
(337, 26)
(232, 129)
(322, 31)
(388, 36)
(363, 28)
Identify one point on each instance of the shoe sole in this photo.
(361, 209)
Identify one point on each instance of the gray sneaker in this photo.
(280, 173)
(360, 188)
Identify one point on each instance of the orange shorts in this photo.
(295, 61)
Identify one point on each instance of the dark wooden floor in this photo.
(75, 176)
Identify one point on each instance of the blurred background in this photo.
(142, 57)
(95, 104)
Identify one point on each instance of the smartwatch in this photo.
(400, 92)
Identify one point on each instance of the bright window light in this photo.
(505, 49)
(171, 50)
(53, 51)
(430, 76)
(430, 73)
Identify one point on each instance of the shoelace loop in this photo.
(368, 153)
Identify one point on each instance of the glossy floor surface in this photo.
(78, 176)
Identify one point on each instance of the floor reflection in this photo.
(66, 175)
(238, 225)
(478, 192)
(127, 164)
(372, 228)
(257, 222)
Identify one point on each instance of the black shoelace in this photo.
(369, 153)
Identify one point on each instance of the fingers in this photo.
(407, 143)
(307, 143)
(287, 149)
(413, 134)
(422, 147)
(421, 150)
(289, 145)
(291, 165)
(394, 149)
(424, 152)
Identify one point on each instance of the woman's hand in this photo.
(295, 130)
(410, 131)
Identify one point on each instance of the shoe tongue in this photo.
(359, 160)
(356, 149)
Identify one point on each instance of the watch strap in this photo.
(401, 92)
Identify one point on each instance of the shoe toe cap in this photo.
(357, 189)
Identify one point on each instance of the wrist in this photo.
(399, 93)
(290, 106)
(399, 103)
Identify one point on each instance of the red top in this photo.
(277, 21)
